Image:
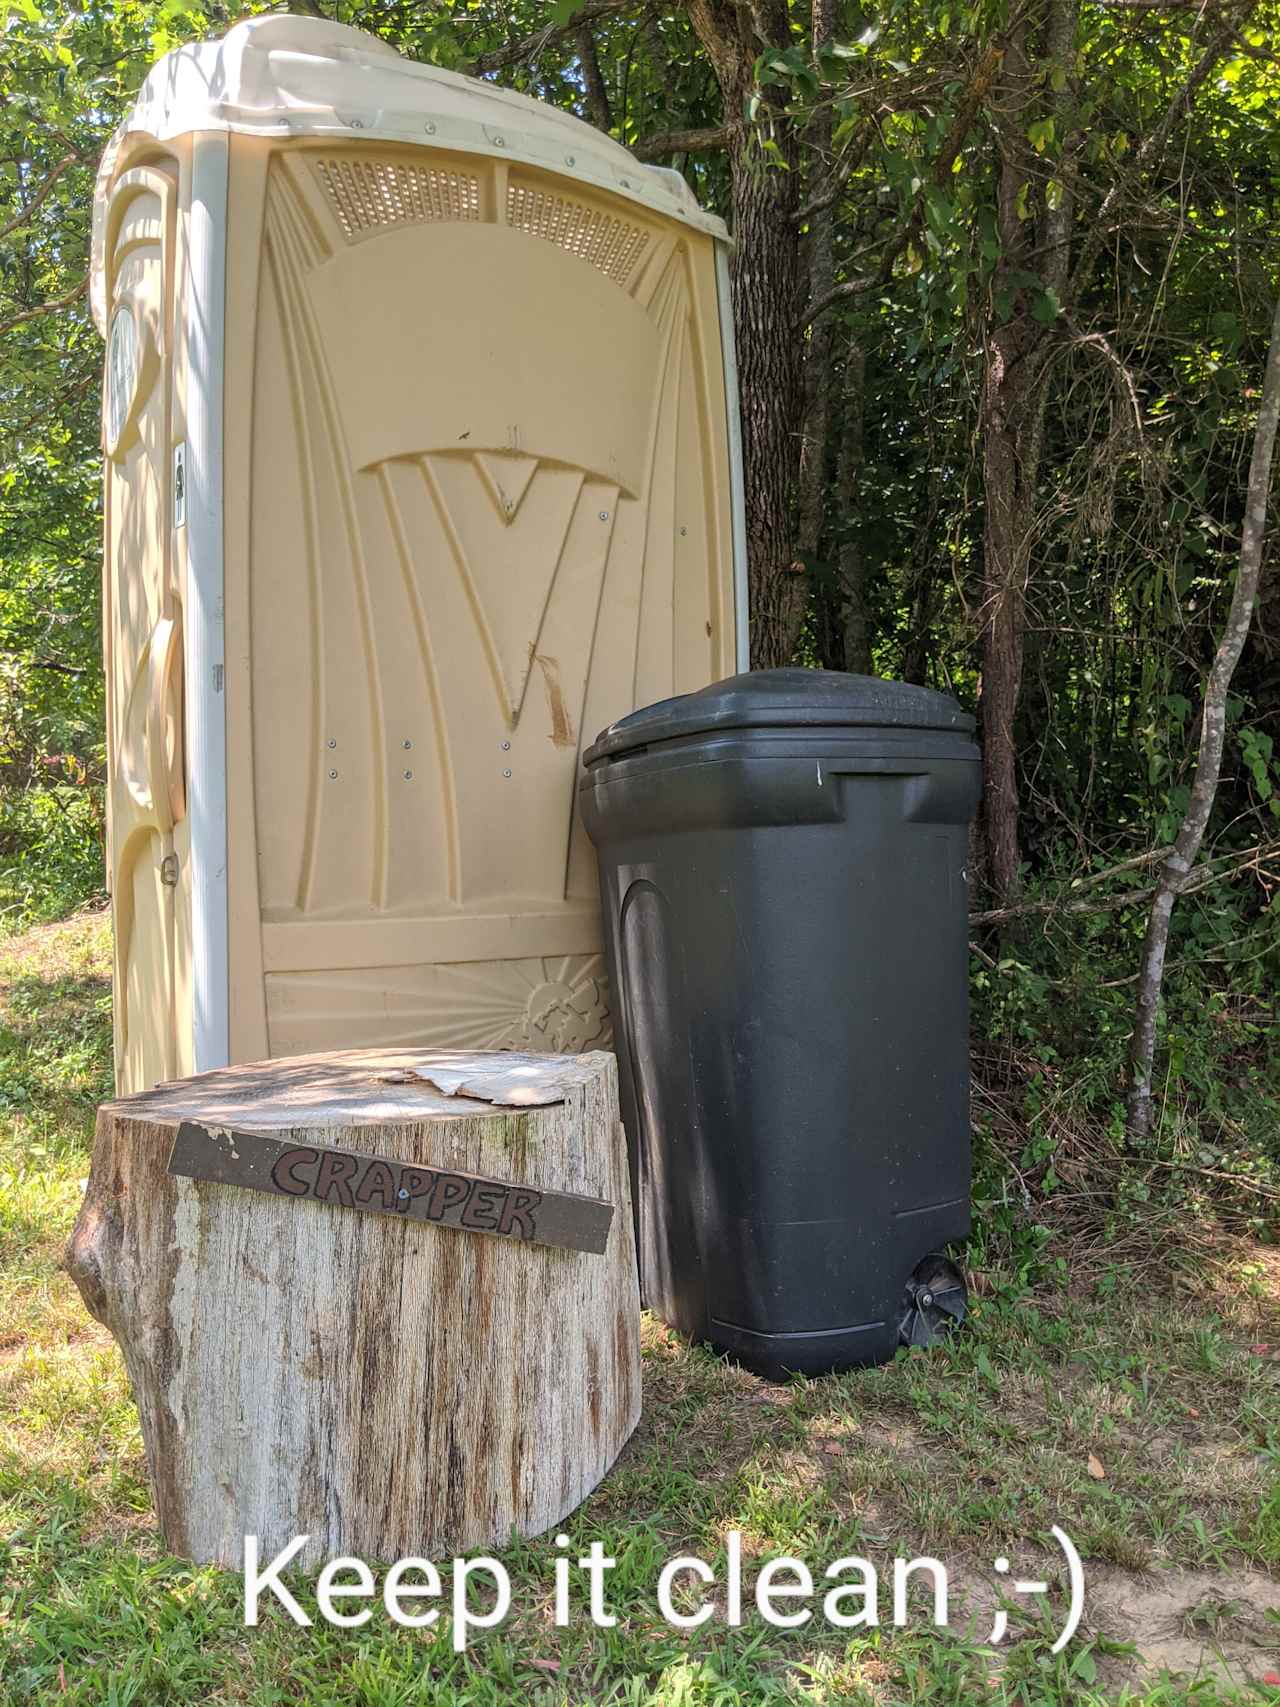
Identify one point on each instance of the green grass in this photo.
(965, 1452)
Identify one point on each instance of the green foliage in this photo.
(1153, 361)
(52, 841)
(67, 73)
(1053, 1016)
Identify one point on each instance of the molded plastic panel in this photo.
(143, 635)
(489, 510)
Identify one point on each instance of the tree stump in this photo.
(387, 1380)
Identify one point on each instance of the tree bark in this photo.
(765, 299)
(1013, 393)
(383, 1384)
(851, 568)
(811, 491)
(768, 288)
(593, 80)
(1010, 462)
(925, 574)
(1213, 728)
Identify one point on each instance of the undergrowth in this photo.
(1053, 1006)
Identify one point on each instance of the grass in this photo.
(1170, 1388)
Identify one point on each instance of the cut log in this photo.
(361, 1352)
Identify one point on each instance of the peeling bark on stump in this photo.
(386, 1387)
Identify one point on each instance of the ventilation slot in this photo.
(610, 244)
(369, 195)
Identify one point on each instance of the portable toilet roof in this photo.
(291, 76)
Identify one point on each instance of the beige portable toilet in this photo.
(420, 433)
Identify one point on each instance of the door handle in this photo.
(165, 778)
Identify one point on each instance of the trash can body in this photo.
(419, 427)
(783, 878)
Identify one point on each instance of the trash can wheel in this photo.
(934, 1302)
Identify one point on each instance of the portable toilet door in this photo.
(148, 825)
(420, 432)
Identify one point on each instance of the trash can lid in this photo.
(770, 699)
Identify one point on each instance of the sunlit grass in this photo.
(973, 1449)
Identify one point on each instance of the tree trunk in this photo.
(768, 292)
(593, 80)
(766, 301)
(1004, 575)
(927, 557)
(813, 478)
(1012, 433)
(388, 1379)
(855, 618)
(1213, 731)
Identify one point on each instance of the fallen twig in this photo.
(1216, 1173)
(1232, 865)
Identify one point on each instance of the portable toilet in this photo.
(420, 433)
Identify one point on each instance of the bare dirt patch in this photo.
(1222, 1624)
(1195, 1622)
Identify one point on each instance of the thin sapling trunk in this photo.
(1213, 726)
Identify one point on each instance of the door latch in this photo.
(169, 870)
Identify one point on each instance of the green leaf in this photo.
(1084, 1668)
(1045, 306)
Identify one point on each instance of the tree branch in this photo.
(38, 199)
(1255, 1186)
(593, 80)
(837, 293)
(54, 307)
(1099, 228)
(1043, 909)
(1125, 387)
(1227, 865)
(664, 142)
(953, 142)
(718, 26)
(529, 47)
(836, 182)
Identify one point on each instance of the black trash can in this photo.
(782, 864)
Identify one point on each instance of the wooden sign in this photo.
(344, 1178)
